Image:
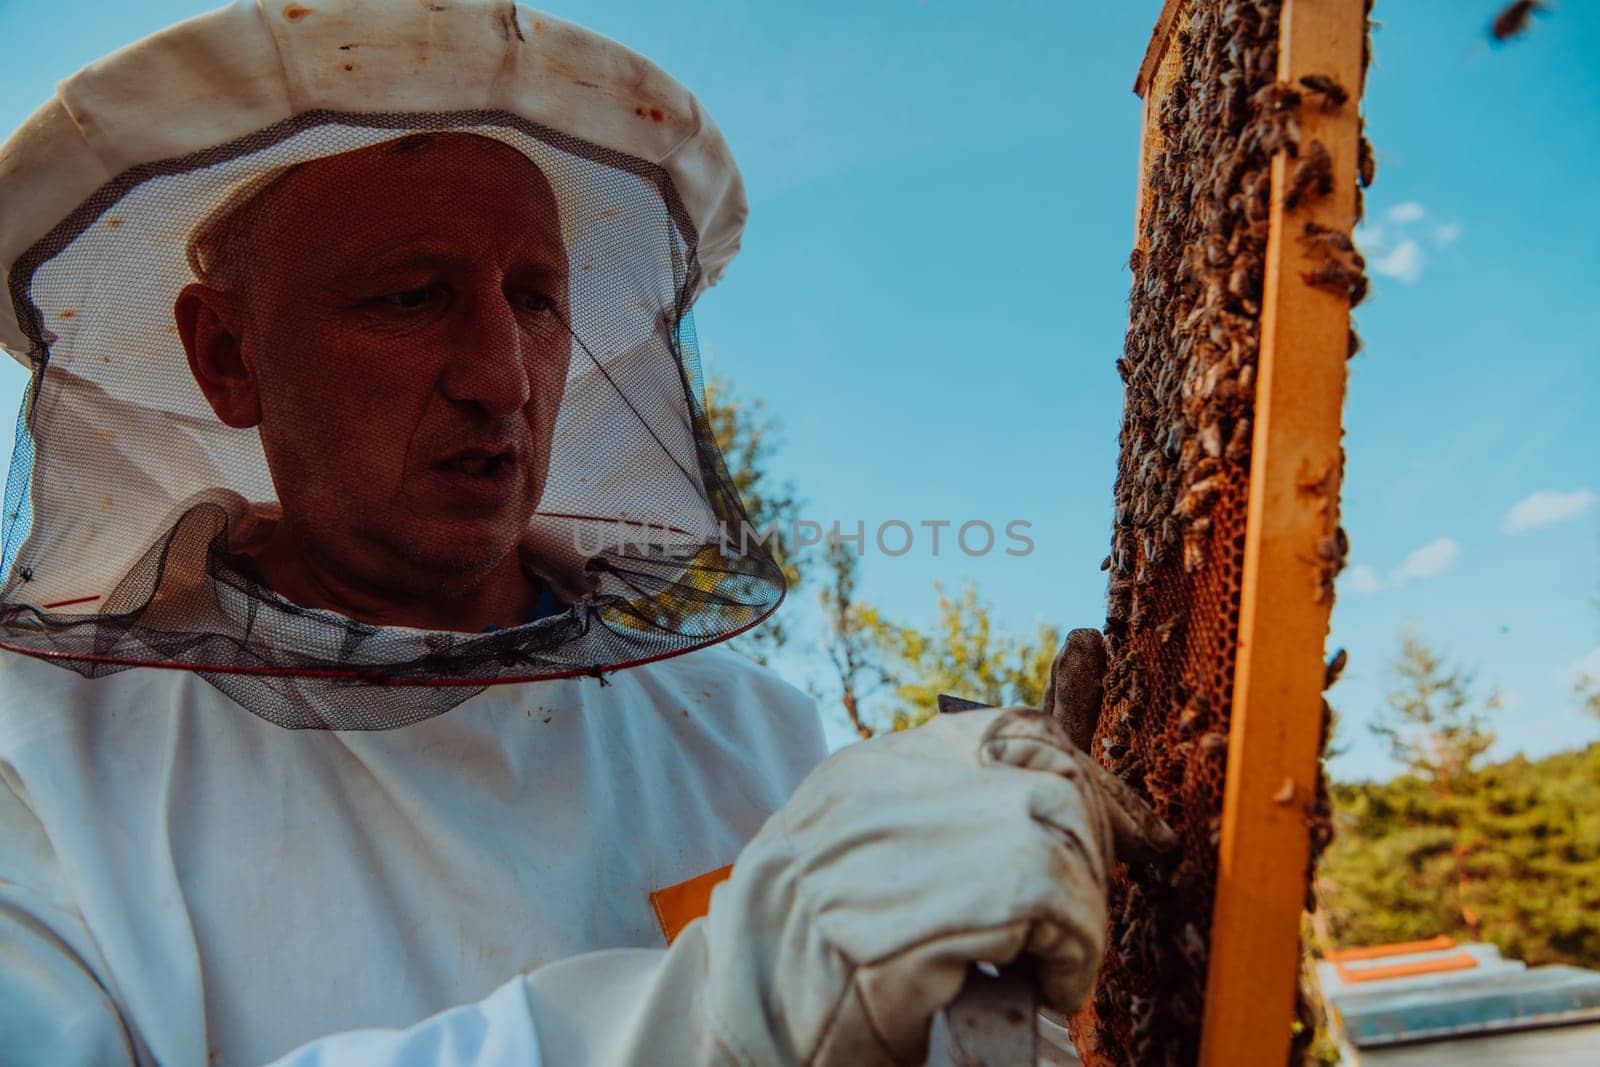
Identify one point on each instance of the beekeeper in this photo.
(342, 718)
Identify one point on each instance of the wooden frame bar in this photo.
(1274, 736)
(1296, 467)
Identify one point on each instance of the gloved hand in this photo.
(851, 918)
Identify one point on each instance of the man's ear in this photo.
(209, 322)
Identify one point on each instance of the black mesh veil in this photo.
(132, 510)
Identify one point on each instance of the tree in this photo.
(1533, 873)
(746, 436)
(962, 654)
(1431, 727)
(1436, 730)
(851, 637)
(1587, 690)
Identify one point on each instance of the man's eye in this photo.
(412, 299)
(532, 300)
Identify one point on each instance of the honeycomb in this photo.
(1217, 117)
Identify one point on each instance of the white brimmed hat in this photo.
(101, 193)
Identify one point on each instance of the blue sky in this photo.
(933, 293)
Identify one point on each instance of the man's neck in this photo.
(505, 597)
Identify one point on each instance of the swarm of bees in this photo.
(1175, 567)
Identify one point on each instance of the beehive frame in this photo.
(1300, 294)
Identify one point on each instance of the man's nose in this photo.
(488, 365)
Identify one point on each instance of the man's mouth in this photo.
(479, 462)
(477, 465)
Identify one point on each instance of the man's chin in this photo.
(459, 557)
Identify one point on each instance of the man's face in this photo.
(403, 315)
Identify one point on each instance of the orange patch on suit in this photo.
(677, 906)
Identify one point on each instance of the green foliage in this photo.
(747, 436)
(963, 654)
(1587, 689)
(1431, 726)
(1516, 847)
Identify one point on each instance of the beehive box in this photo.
(1226, 538)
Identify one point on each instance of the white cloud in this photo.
(1584, 666)
(1368, 237)
(1403, 262)
(1545, 506)
(1431, 559)
(1447, 234)
(1363, 578)
(1410, 211)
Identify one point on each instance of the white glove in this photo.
(852, 917)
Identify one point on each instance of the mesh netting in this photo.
(1178, 546)
(443, 357)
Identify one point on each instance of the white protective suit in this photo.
(184, 883)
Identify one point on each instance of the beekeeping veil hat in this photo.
(128, 497)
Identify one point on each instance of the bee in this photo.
(1335, 667)
(1338, 278)
(1330, 241)
(1354, 345)
(1281, 134)
(1275, 97)
(1313, 174)
(1330, 553)
(1194, 551)
(1333, 94)
(1197, 497)
(1189, 718)
(1366, 165)
(1514, 19)
(1239, 442)
(1333, 550)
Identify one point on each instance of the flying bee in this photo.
(1514, 19)
(1333, 94)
